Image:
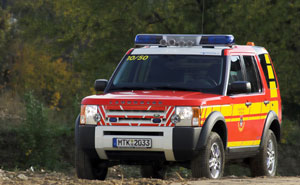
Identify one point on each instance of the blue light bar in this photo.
(217, 39)
(148, 39)
(182, 40)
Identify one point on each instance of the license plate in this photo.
(132, 142)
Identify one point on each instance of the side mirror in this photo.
(100, 84)
(239, 87)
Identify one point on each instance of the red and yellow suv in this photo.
(190, 100)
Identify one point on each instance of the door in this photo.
(240, 110)
(246, 124)
(255, 101)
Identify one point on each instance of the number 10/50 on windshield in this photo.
(139, 57)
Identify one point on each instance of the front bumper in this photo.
(168, 143)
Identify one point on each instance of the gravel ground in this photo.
(42, 177)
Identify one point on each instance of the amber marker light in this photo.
(196, 116)
(250, 44)
(82, 114)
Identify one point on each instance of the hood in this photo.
(153, 97)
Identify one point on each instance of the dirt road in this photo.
(29, 177)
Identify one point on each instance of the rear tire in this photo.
(211, 159)
(265, 163)
(153, 171)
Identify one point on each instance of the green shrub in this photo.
(35, 138)
(39, 140)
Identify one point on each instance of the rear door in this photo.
(272, 99)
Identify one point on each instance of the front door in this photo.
(246, 124)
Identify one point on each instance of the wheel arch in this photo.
(215, 122)
(76, 129)
(272, 123)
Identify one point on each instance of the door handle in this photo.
(248, 104)
(266, 102)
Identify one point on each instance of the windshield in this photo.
(170, 72)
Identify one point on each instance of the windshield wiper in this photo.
(128, 88)
(152, 88)
(173, 88)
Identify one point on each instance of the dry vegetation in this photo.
(43, 177)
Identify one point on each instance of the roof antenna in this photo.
(203, 15)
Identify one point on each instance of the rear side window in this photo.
(252, 73)
(268, 70)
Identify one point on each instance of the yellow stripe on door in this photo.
(243, 143)
(274, 106)
(273, 89)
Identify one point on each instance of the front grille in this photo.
(134, 119)
(135, 111)
(121, 133)
(136, 115)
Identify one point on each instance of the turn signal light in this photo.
(196, 116)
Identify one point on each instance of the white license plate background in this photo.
(132, 142)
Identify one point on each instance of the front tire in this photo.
(265, 163)
(86, 167)
(211, 159)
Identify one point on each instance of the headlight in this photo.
(89, 115)
(184, 112)
(186, 116)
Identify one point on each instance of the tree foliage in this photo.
(91, 36)
(6, 36)
(51, 80)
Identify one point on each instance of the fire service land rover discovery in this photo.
(189, 100)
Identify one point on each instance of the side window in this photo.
(235, 70)
(268, 69)
(252, 73)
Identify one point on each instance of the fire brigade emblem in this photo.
(241, 125)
